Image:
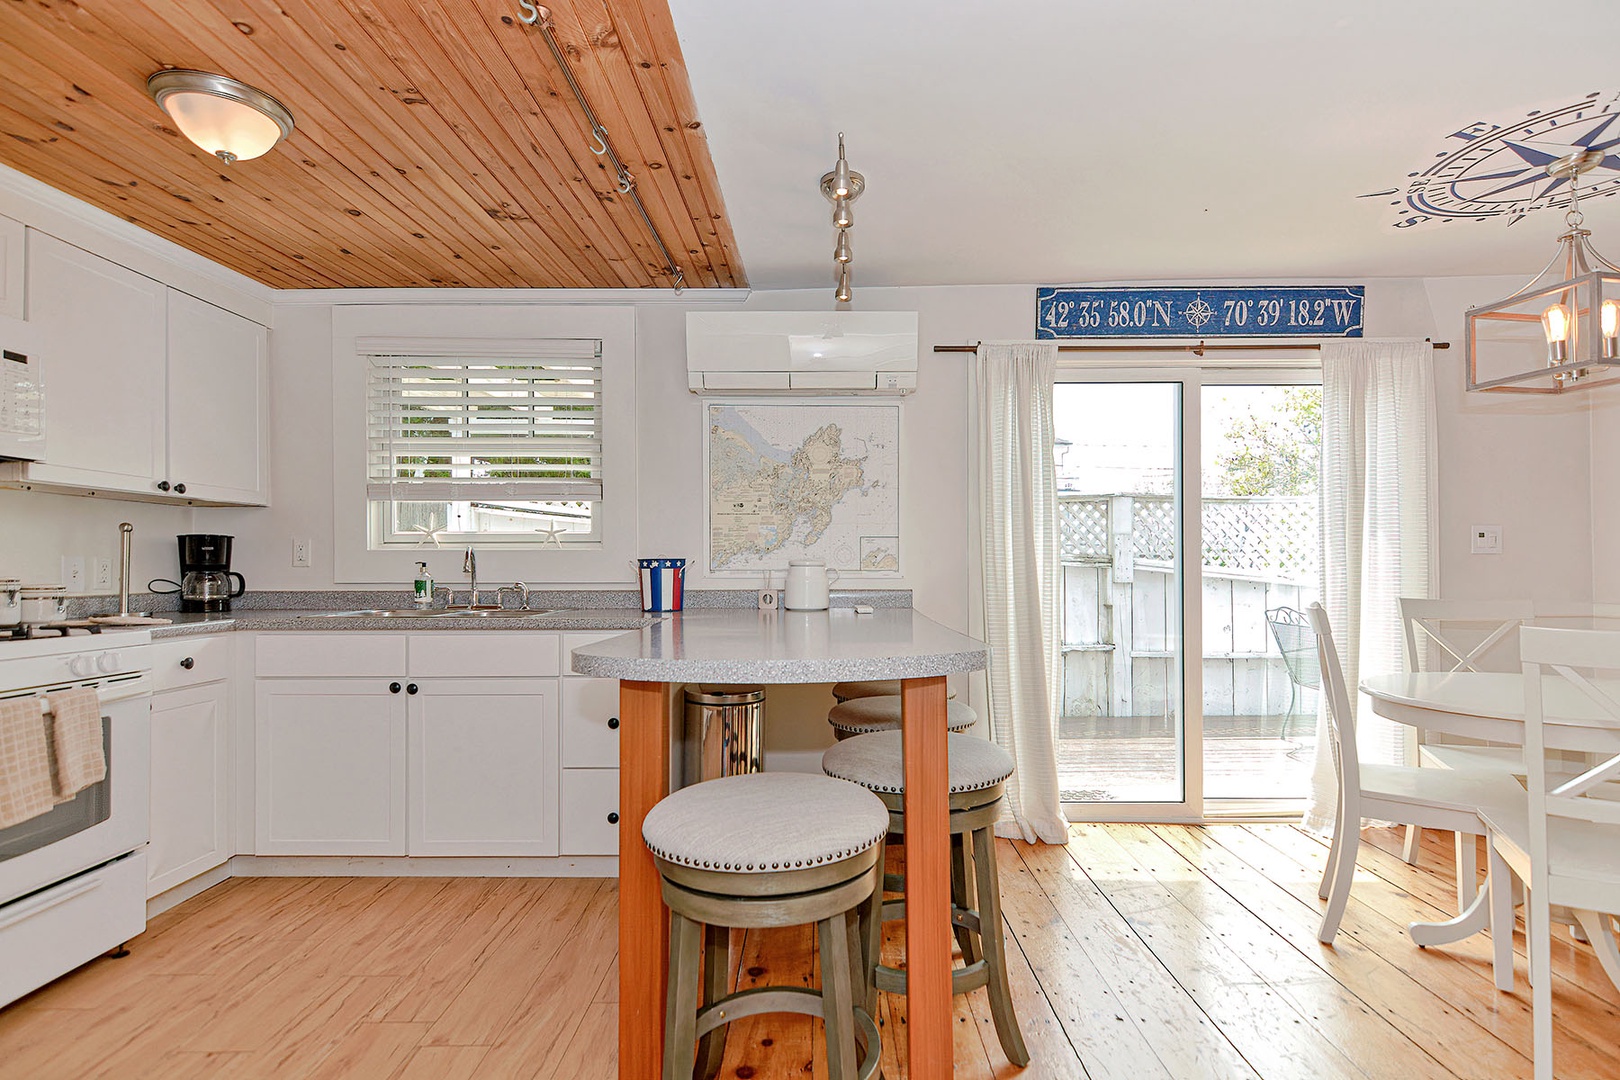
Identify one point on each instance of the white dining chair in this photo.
(1559, 838)
(1460, 635)
(1447, 799)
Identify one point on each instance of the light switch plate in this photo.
(1485, 540)
(73, 573)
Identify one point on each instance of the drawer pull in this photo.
(188, 663)
(411, 688)
(613, 818)
(393, 688)
(48, 901)
(613, 723)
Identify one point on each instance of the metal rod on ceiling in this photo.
(1197, 350)
(539, 15)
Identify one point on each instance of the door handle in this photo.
(411, 688)
(393, 688)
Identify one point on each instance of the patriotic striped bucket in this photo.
(662, 583)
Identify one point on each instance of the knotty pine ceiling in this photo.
(436, 142)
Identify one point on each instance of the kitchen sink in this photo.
(425, 613)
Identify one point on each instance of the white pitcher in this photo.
(807, 582)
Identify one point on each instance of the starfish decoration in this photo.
(551, 534)
(429, 532)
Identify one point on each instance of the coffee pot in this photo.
(807, 584)
(205, 573)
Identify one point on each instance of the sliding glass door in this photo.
(1145, 731)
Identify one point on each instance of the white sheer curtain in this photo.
(1378, 535)
(1018, 514)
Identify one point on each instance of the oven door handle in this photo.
(46, 900)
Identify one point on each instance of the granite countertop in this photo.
(737, 645)
(186, 623)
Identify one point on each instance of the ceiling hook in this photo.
(599, 136)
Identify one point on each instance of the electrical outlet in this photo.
(73, 573)
(1485, 540)
(101, 574)
(300, 552)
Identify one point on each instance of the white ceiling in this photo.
(1111, 140)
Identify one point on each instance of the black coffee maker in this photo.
(205, 573)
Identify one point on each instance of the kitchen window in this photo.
(498, 442)
(509, 427)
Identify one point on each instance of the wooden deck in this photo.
(1139, 952)
(1137, 759)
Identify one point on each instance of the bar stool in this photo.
(763, 850)
(978, 773)
(846, 691)
(865, 715)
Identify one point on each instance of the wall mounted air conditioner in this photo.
(806, 352)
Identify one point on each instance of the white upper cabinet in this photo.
(103, 343)
(11, 268)
(219, 394)
(149, 393)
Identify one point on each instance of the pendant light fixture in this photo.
(842, 186)
(229, 119)
(1562, 329)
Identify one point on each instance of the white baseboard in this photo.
(576, 866)
(419, 866)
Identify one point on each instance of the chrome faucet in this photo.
(469, 566)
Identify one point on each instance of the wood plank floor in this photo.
(1137, 952)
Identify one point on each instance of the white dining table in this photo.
(1489, 705)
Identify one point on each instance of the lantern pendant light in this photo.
(1562, 330)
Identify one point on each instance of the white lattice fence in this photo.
(1274, 538)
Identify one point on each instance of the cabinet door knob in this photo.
(188, 663)
(613, 723)
(410, 688)
(179, 489)
(393, 688)
(613, 818)
(163, 485)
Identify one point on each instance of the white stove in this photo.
(73, 880)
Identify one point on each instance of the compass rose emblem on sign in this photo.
(1488, 170)
(1198, 313)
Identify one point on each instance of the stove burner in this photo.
(38, 631)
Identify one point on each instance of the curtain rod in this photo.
(1197, 350)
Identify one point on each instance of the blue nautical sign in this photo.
(1247, 311)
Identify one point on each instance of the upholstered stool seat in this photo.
(865, 715)
(846, 691)
(977, 774)
(762, 850)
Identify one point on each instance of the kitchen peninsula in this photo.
(735, 645)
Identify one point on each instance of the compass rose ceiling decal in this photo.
(1499, 169)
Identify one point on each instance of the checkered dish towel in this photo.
(25, 762)
(76, 740)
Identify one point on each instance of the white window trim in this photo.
(605, 561)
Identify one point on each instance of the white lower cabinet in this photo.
(190, 784)
(329, 767)
(590, 758)
(590, 799)
(418, 762)
(483, 767)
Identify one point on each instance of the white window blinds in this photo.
(453, 421)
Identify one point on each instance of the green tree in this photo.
(1280, 454)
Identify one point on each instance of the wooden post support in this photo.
(928, 877)
(643, 922)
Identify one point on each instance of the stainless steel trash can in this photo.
(724, 731)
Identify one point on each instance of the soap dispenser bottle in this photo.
(424, 586)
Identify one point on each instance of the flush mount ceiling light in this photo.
(229, 119)
(1557, 332)
(842, 186)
